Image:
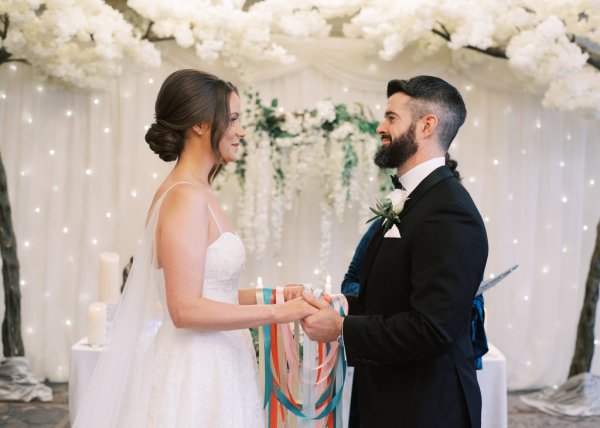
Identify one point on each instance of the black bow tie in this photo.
(396, 182)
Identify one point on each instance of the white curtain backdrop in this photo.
(81, 178)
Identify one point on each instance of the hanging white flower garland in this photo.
(281, 148)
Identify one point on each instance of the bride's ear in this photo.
(198, 129)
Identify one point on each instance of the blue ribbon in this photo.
(339, 371)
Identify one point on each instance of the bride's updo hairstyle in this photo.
(188, 98)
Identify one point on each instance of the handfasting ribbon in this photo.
(324, 369)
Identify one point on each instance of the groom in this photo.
(407, 334)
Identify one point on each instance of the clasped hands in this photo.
(320, 322)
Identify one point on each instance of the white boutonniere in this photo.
(389, 208)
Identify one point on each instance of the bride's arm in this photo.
(247, 296)
(182, 240)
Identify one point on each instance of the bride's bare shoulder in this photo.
(181, 196)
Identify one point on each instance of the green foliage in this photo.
(268, 120)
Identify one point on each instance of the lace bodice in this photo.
(223, 266)
(224, 263)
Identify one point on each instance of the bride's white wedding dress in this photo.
(207, 379)
(176, 377)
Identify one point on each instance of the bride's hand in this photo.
(293, 310)
(292, 291)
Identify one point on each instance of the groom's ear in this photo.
(427, 126)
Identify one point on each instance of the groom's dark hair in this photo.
(432, 95)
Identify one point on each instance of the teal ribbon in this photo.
(337, 383)
(267, 292)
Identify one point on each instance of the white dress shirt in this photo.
(411, 179)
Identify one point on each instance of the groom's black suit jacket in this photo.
(407, 334)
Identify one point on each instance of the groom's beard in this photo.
(398, 151)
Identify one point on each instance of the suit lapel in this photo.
(439, 174)
(372, 250)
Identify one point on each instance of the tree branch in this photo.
(594, 57)
(12, 340)
(5, 56)
(159, 39)
(5, 21)
(148, 30)
(496, 52)
(148, 35)
(584, 344)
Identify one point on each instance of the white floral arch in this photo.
(532, 171)
(553, 43)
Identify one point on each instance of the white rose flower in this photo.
(343, 131)
(389, 208)
(398, 198)
(326, 111)
(292, 124)
(184, 36)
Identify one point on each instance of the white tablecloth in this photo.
(492, 382)
(83, 361)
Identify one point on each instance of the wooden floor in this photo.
(56, 414)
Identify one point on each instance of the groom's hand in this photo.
(323, 326)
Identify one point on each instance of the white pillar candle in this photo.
(97, 324)
(328, 284)
(109, 278)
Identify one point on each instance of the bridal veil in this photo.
(119, 390)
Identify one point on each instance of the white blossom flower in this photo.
(545, 52)
(392, 24)
(80, 42)
(325, 111)
(344, 130)
(577, 90)
(292, 124)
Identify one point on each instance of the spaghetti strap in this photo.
(158, 204)
(171, 187)
(215, 219)
(154, 210)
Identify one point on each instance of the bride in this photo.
(180, 352)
